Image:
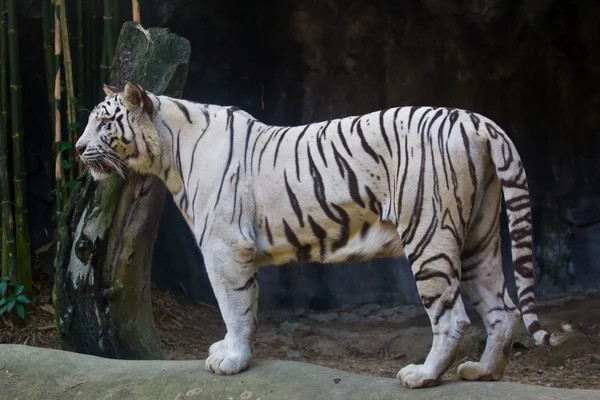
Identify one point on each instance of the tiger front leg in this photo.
(233, 277)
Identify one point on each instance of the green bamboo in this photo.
(59, 188)
(71, 112)
(9, 254)
(47, 27)
(47, 20)
(80, 64)
(115, 22)
(97, 70)
(9, 261)
(18, 141)
(108, 42)
(4, 65)
(89, 50)
(3, 127)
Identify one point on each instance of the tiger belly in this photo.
(364, 236)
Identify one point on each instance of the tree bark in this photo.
(102, 283)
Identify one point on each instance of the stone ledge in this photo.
(38, 373)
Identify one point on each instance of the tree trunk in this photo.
(102, 284)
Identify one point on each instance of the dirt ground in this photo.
(368, 340)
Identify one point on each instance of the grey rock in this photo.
(37, 373)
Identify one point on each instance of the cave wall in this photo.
(532, 66)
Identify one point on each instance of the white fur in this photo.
(416, 180)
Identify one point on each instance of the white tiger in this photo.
(422, 181)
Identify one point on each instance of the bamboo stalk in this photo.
(18, 141)
(68, 66)
(80, 72)
(4, 66)
(89, 50)
(58, 172)
(115, 21)
(96, 63)
(9, 261)
(135, 5)
(108, 48)
(47, 21)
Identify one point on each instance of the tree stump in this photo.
(102, 283)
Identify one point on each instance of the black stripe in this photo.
(319, 190)
(320, 233)
(365, 229)
(436, 186)
(203, 231)
(183, 109)
(269, 235)
(374, 204)
(303, 251)
(401, 191)
(383, 133)
(352, 180)
(472, 173)
(344, 219)
(475, 121)
(425, 239)
(409, 233)
(240, 220)
(249, 283)
(320, 148)
(277, 147)
(343, 139)
(447, 305)
(441, 149)
(246, 148)
(258, 135)
(429, 300)
(365, 144)
(410, 116)
(192, 158)
(122, 128)
(296, 151)
(265, 147)
(293, 200)
(194, 203)
(398, 163)
(235, 192)
(180, 168)
(228, 163)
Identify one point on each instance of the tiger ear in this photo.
(134, 98)
(110, 90)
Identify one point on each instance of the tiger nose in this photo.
(80, 149)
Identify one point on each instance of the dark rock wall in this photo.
(533, 66)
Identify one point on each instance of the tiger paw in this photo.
(216, 347)
(475, 371)
(227, 362)
(416, 376)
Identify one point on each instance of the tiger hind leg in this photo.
(483, 280)
(435, 268)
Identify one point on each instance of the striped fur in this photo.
(425, 182)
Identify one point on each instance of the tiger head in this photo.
(120, 133)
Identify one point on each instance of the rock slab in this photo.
(38, 373)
